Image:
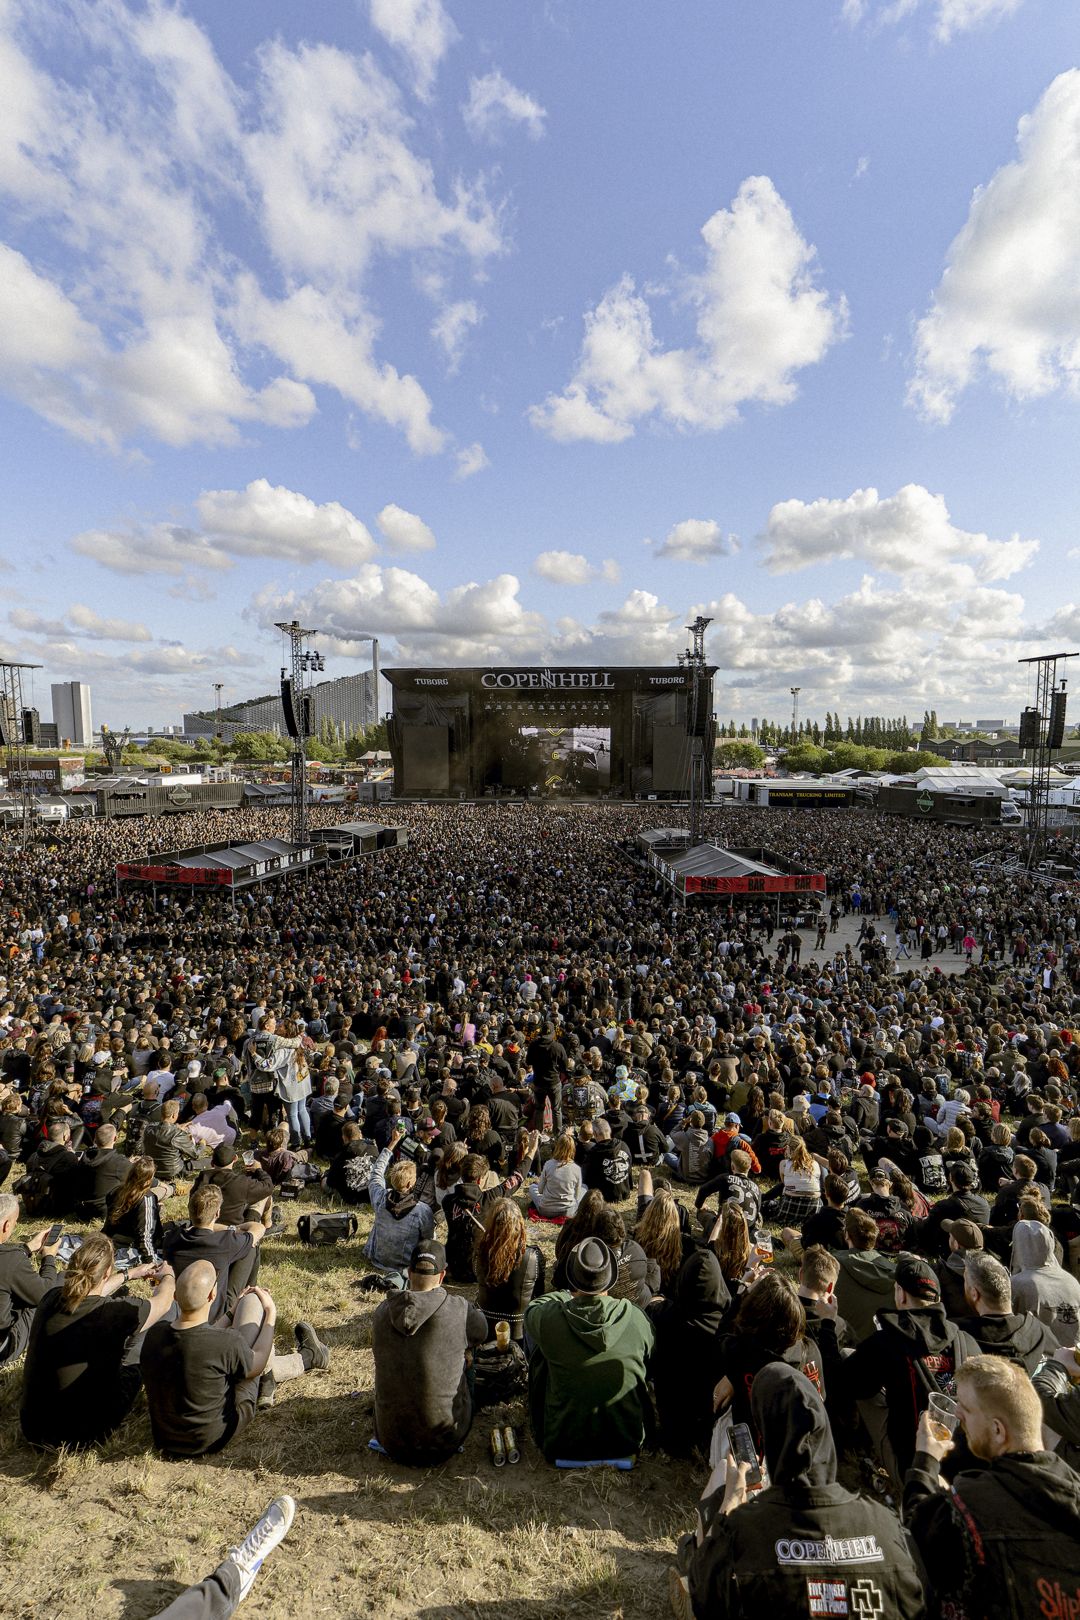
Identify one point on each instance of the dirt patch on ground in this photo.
(116, 1534)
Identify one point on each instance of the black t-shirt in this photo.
(190, 1376)
(75, 1391)
(183, 1244)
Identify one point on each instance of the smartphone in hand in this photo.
(743, 1450)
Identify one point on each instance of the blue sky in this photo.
(524, 333)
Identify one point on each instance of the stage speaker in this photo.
(1030, 728)
(670, 759)
(699, 708)
(425, 756)
(288, 704)
(1056, 732)
(306, 715)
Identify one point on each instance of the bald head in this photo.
(195, 1286)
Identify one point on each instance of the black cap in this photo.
(917, 1277)
(962, 1173)
(428, 1259)
(591, 1268)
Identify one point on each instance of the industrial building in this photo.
(349, 702)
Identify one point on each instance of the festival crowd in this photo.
(814, 1206)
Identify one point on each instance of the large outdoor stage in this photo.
(613, 732)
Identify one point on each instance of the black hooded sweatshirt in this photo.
(1003, 1541)
(686, 1358)
(804, 1545)
(1017, 1337)
(912, 1352)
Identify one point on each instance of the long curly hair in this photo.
(501, 1245)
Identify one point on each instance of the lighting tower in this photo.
(698, 723)
(219, 687)
(794, 690)
(296, 696)
(1048, 697)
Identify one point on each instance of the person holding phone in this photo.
(803, 1539)
(22, 1287)
(82, 1361)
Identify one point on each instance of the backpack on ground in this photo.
(501, 1375)
(321, 1231)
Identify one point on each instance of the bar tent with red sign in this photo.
(222, 866)
(709, 871)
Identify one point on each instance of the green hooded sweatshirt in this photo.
(864, 1286)
(587, 1377)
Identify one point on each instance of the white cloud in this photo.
(951, 17)
(267, 520)
(452, 326)
(263, 520)
(156, 327)
(862, 167)
(330, 339)
(696, 540)
(910, 532)
(571, 568)
(760, 317)
(472, 458)
(153, 548)
(474, 620)
(1009, 300)
(404, 531)
(84, 621)
(421, 30)
(495, 103)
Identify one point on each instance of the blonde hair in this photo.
(798, 1155)
(1004, 1391)
(563, 1151)
(659, 1234)
(88, 1267)
(403, 1176)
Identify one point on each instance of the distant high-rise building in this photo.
(754, 726)
(71, 713)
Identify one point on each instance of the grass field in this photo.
(116, 1534)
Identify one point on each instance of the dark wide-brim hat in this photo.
(591, 1267)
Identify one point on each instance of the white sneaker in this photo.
(267, 1534)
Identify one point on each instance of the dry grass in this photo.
(116, 1533)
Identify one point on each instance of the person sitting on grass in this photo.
(588, 1394)
(558, 1193)
(134, 1216)
(510, 1271)
(82, 1361)
(203, 1383)
(22, 1288)
(421, 1339)
(402, 1220)
(247, 1193)
(233, 1251)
